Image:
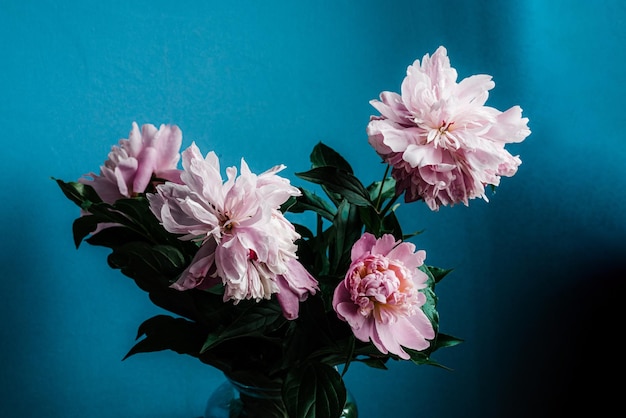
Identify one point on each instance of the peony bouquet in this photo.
(272, 302)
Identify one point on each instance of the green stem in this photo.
(389, 205)
(380, 190)
(319, 225)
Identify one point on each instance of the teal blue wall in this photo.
(537, 268)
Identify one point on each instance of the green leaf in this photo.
(201, 306)
(114, 236)
(373, 362)
(253, 320)
(323, 155)
(388, 191)
(438, 273)
(83, 226)
(347, 229)
(314, 390)
(377, 226)
(287, 204)
(310, 201)
(340, 182)
(147, 264)
(406, 237)
(303, 231)
(422, 358)
(136, 209)
(430, 307)
(163, 332)
(78, 193)
(371, 220)
(108, 214)
(441, 341)
(444, 340)
(170, 256)
(391, 225)
(314, 253)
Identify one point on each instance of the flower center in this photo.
(442, 136)
(227, 223)
(443, 129)
(383, 289)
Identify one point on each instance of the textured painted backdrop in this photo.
(266, 81)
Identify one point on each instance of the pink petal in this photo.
(124, 173)
(197, 274)
(146, 164)
(168, 142)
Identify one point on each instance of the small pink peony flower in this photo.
(443, 143)
(131, 165)
(380, 298)
(246, 242)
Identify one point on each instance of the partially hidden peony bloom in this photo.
(380, 296)
(444, 145)
(147, 154)
(246, 242)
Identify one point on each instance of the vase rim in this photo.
(256, 391)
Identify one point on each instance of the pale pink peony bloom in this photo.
(444, 145)
(246, 242)
(132, 163)
(380, 296)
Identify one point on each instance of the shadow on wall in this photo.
(573, 360)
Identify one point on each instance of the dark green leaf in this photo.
(253, 320)
(286, 206)
(114, 236)
(197, 305)
(406, 237)
(163, 332)
(373, 362)
(303, 231)
(78, 193)
(314, 390)
(349, 355)
(347, 230)
(310, 201)
(172, 256)
(377, 226)
(430, 307)
(371, 220)
(323, 155)
(340, 182)
(422, 358)
(140, 261)
(137, 209)
(108, 214)
(438, 273)
(83, 226)
(444, 340)
(391, 225)
(388, 191)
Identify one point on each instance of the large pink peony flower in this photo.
(380, 298)
(246, 242)
(443, 143)
(132, 164)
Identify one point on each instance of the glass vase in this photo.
(234, 400)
